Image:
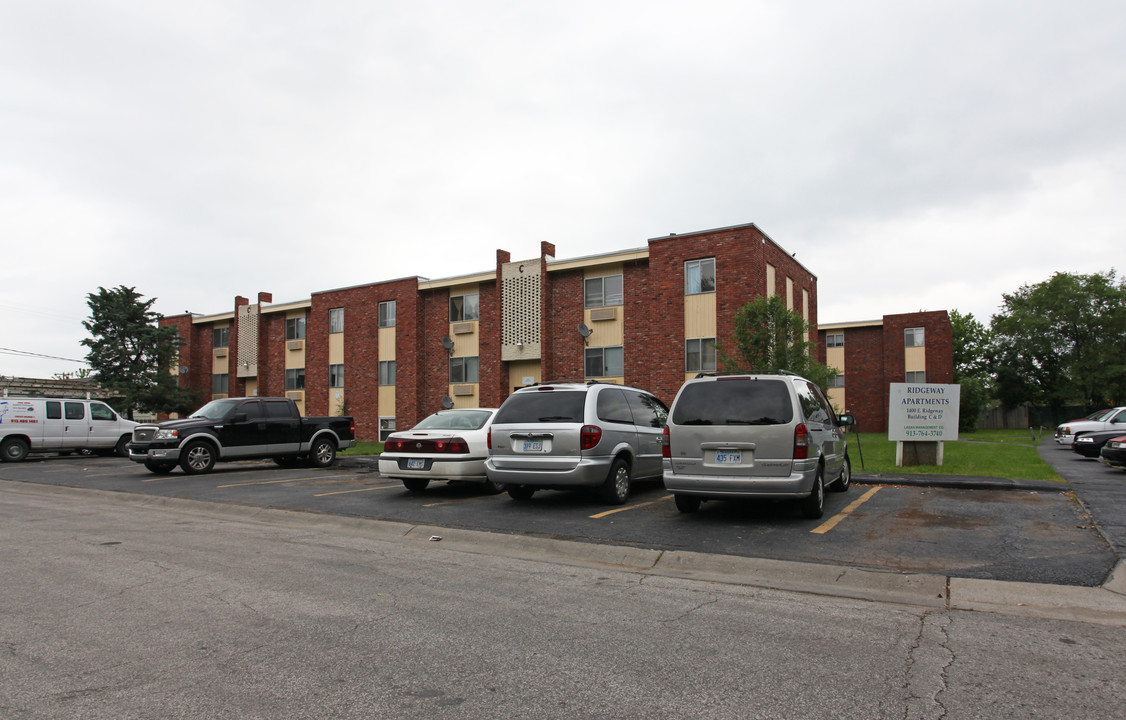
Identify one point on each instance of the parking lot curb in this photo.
(959, 482)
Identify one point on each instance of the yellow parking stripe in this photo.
(630, 507)
(832, 522)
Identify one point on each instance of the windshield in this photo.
(455, 420)
(216, 409)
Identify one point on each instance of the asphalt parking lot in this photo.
(1044, 533)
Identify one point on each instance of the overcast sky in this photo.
(914, 155)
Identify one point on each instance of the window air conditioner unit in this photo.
(295, 394)
(461, 328)
(463, 389)
(295, 344)
(220, 352)
(606, 313)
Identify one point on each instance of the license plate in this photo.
(729, 457)
(416, 464)
(533, 446)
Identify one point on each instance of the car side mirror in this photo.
(238, 418)
(846, 420)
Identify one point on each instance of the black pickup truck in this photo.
(241, 429)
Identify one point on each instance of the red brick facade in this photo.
(653, 322)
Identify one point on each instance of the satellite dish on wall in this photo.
(447, 343)
(584, 330)
(447, 402)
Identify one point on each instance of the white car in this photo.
(448, 445)
(1112, 419)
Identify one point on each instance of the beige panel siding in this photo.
(521, 369)
(336, 348)
(386, 344)
(699, 315)
(771, 279)
(914, 359)
(606, 333)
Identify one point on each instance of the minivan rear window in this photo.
(542, 406)
(734, 401)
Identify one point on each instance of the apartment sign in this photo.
(923, 413)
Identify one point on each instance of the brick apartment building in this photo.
(390, 353)
(914, 348)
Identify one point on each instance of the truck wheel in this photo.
(197, 458)
(121, 449)
(323, 453)
(14, 449)
(160, 468)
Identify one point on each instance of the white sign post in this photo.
(920, 419)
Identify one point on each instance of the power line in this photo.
(24, 353)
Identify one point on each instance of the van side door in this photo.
(649, 415)
(104, 426)
(822, 425)
(75, 425)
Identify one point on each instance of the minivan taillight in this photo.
(589, 436)
(801, 442)
(666, 444)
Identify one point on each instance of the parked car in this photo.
(1113, 453)
(448, 445)
(241, 429)
(576, 435)
(754, 436)
(1113, 418)
(62, 425)
(1091, 444)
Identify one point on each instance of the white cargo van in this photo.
(32, 424)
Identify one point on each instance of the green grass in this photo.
(986, 453)
(363, 448)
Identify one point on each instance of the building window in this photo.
(699, 276)
(603, 291)
(386, 427)
(221, 337)
(219, 383)
(917, 377)
(605, 362)
(387, 314)
(336, 376)
(834, 340)
(386, 372)
(465, 307)
(295, 379)
(699, 355)
(336, 320)
(913, 337)
(463, 370)
(837, 381)
(295, 328)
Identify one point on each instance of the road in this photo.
(132, 606)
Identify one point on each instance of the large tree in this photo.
(1059, 342)
(131, 355)
(972, 348)
(768, 336)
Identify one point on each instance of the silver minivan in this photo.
(572, 435)
(754, 436)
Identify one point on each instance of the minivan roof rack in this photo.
(584, 381)
(747, 372)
